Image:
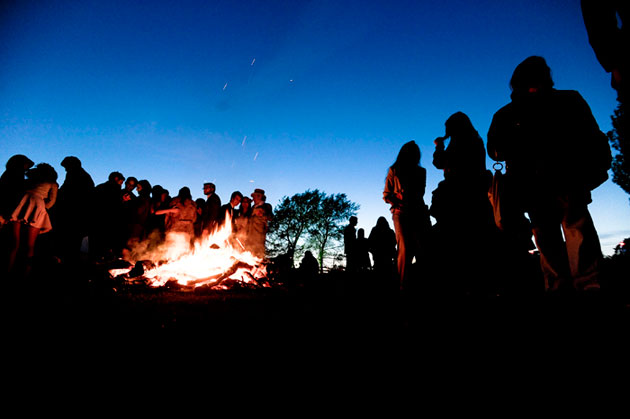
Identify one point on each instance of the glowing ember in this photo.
(208, 262)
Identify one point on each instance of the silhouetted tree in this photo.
(619, 142)
(312, 218)
(332, 215)
(293, 218)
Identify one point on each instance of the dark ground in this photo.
(85, 303)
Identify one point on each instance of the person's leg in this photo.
(14, 246)
(401, 241)
(546, 226)
(31, 237)
(583, 247)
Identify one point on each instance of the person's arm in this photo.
(497, 137)
(390, 193)
(439, 155)
(52, 196)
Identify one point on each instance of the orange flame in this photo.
(208, 262)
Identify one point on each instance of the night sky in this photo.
(280, 95)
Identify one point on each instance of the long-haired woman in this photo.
(404, 191)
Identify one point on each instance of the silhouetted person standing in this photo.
(210, 213)
(105, 221)
(181, 214)
(126, 211)
(241, 223)
(463, 194)
(230, 209)
(259, 219)
(31, 213)
(13, 185)
(382, 245)
(200, 203)
(404, 191)
(309, 267)
(555, 155)
(465, 227)
(363, 251)
(350, 244)
(72, 211)
(138, 214)
(160, 200)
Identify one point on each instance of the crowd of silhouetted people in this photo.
(528, 229)
(548, 141)
(40, 218)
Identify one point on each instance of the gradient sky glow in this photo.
(280, 95)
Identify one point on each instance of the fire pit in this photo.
(217, 261)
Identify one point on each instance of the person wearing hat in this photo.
(259, 223)
(210, 212)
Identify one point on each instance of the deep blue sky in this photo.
(280, 95)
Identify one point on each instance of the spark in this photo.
(243, 143)
(256, 156)
(291, 81)
(224, 87)
(253, 61)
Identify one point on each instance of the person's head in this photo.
(409, 155)
(200, 202)
(532, 75)
(353, 220)
(246, 203)
(19, 163)
(361, 233)
(116, 177)
(459, 125)
(235, 198)
(156, 191)
(184, 194)
(71, 163)
(131, 183)
(381, 222)
(144, 188)
(258, 196)
(41, 173)
(209, 188)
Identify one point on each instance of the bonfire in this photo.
(218, 260)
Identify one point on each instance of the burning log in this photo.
(140, 268)
(216, 280)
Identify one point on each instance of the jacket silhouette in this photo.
(555, 155)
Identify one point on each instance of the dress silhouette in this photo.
(31, 212)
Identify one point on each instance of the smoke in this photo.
(157, 248)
